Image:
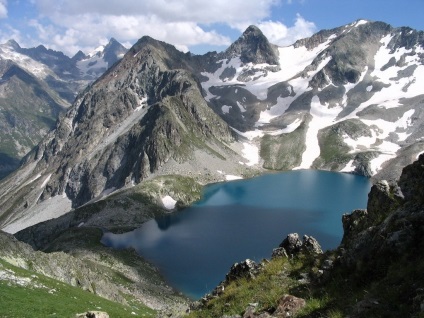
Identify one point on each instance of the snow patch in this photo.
(250, 135)
(360, 22)
(226, 109)
(230, 177)
(251, 153)
(45, 181)
(168, 202)
(322, 116)
(349, 167)
(241, 107)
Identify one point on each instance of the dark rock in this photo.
(411, 181)
(353, 224)
(382, 199)
(248, 269)
(93, 314)
(279, 252)
(327, 264)
(311, 245)
(291, 244)
(253, 46)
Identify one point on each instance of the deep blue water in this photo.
(196, 247)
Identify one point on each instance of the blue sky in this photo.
(195, 25)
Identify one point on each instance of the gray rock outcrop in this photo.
(292, 245)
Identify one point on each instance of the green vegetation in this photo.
(279, 276)
(334, 152)
(185, 189)
(32, 295)
(337, 294)
(285, 151)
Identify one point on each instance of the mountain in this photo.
(94, 64)
(347, 99)
(159, 124)
(37, 85)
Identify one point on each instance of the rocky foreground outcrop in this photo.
(377, 271)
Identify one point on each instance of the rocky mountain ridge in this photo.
(38, 84)
(346, 99)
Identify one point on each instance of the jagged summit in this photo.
(13, 44)
(79, 56)
(113, 51)
(253, 47)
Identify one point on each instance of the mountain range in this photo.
(37, 85)
(348, 99)
(159, 123)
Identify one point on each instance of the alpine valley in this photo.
(142, 138)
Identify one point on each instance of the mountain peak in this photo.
(253, 47)
(252, 30)
(79, 56)
(113, 51)
(13, 44)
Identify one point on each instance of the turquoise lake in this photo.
(195, 248)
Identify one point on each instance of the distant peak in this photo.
(252, 29)
(112, 40)
(12, 43)
(79, 56)
(253, 46)
(114, 45)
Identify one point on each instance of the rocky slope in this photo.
(120, 276)
(36, 86)
(144, 113)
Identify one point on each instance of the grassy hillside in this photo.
(26, 294)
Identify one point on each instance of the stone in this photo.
(93, 314)
(248, 269)
(311, 245)
(250, 312)
(279, 252)
(288, 306)
(382, 199)
(291, 244)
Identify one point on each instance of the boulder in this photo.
(93, 314)
(384, 197)
(291, 244)
(311, 245)
(248, 269)
(279, 252)
(288, 306)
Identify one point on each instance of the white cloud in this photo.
(77, 24)
(72, 25)
(3, 9)
(280, 34)
(169, 11)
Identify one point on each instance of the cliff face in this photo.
(393, 223)
(382, 247)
